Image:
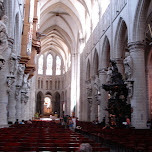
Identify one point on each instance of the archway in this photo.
(121, 44)
(57, 104)
(39, 103)
(96, 63)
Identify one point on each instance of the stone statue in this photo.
(24, 97)
(20, 72)
(25, 86)
(116, 76)
(17, 93)
(3, 35)
(10, 82)
(128, 64)
(97, 85)
(13, 63)
(109, 74)
(89, 89)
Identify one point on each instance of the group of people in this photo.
(111, 124)
(23, 122)
(68, 122)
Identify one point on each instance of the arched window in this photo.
(47, 102)
(49, 65)
(40, 65)
(58, 65)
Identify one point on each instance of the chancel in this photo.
(68, 60)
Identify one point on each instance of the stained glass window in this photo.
(58, 65)
(49, 65)
(40, 65)
(47, 102)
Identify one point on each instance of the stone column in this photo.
(94, 111)
(11, 99)
(4, 56)
(138, 100)
(18, 103)
(24, 100)
(104, 96)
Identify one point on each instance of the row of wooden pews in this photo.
(120, 139)
(43, 136)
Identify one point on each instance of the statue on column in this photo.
(89, 89)
(13, 63)
(109, 74)
(24, 97)
(3, 34)
(128, 64)
(25, 86)
(97, 85)
(17, 93)
(10, 82)
(20, 72)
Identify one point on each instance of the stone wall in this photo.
(116, 27)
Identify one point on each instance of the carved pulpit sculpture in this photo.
(118, 91)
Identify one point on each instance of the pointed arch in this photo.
(16, 35)
(57, 103)
(140, 20)
(58, 65)
(49, 64)
(105, 57)
(96, 63)
(39, 103)
(121, 39)
(88, 75)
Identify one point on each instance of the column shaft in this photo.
(138, 100)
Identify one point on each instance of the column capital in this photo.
(133, 46)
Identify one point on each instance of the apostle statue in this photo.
(89, 89)
(3, 34)
(13, 63)
(97, 85)
(20, 72)
(128, 65)
(109, 74)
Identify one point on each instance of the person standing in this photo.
(128, 122)
(74, 122)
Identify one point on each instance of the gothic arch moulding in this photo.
(95, 63)
(88, 74)
(140, 20)
(48, 93)
(105, 54)
(121, 39)
(16, 48)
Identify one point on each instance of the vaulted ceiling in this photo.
(63, 22)
(68, 22)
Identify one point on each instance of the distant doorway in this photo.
(39, 106)
(57, 105)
